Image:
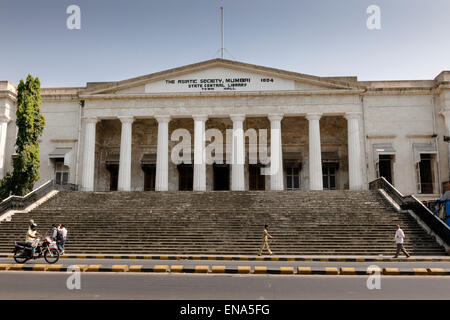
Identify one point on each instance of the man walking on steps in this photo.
(265, 240)
(399, 236)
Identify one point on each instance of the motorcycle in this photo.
(47, 248)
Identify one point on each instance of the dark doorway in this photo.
(329, 171)
(221, 177)
(113, 176)
(385, 167)
(426, 173)
(149, 176)
(256, 181)
(185, 177)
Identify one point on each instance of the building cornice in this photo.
(219, 94)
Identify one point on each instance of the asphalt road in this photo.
(44, 285)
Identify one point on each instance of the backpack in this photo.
(58, 235)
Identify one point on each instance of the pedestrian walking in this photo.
(265, 240)
(62, 238)
(399, 237)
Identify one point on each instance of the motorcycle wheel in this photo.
(20, 256)
(51, 256)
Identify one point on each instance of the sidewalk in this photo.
(314, 258)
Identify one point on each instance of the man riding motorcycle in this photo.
(34, 248)
(32, 236)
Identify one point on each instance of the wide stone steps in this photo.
(303, 222)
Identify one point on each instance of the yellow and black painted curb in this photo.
(217, 269)
(245, 258)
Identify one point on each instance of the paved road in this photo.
(41, 285)
(229, 263)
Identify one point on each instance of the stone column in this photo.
(238, 153)
(199, 153)
(162, 155)
(89, 154)
(354, 151)
(4, 120)
(124, 183)
(315, 152)
(276, 153)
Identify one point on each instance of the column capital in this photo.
(237, 117)
(445, 113)
(5, 118)
(314, 116)
(126, 119)
(200, 117)
(353, 115)
(275, 116)
(90, 119)
(163, 118)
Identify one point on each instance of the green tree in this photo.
(30, 123)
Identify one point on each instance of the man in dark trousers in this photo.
(399, 236)
(265, 240)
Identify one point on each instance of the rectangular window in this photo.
(329, 171)
(425, 171)
(61, 172)
(292, 178)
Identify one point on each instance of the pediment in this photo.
(220, 75)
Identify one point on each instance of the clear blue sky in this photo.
(124, 39)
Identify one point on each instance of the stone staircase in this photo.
(337, 222)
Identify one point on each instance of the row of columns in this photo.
(238, 153)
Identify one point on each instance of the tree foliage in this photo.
(30, 123)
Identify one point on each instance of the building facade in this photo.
(153, 132)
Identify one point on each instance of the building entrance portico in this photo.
(233, 139)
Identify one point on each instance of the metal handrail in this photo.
(412, 203)
(20, 202)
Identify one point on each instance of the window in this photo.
(61, 172)
(329, 176)
(425, 173)
(292, 178)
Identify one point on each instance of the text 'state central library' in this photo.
(222, 125)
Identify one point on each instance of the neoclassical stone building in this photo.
(322, 132)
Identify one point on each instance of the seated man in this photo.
(32, 235)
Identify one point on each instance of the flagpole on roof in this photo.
(223, 33)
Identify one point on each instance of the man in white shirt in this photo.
(63, 237)
(399, 236)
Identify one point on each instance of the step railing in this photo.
(412, 203)
(19, 202)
